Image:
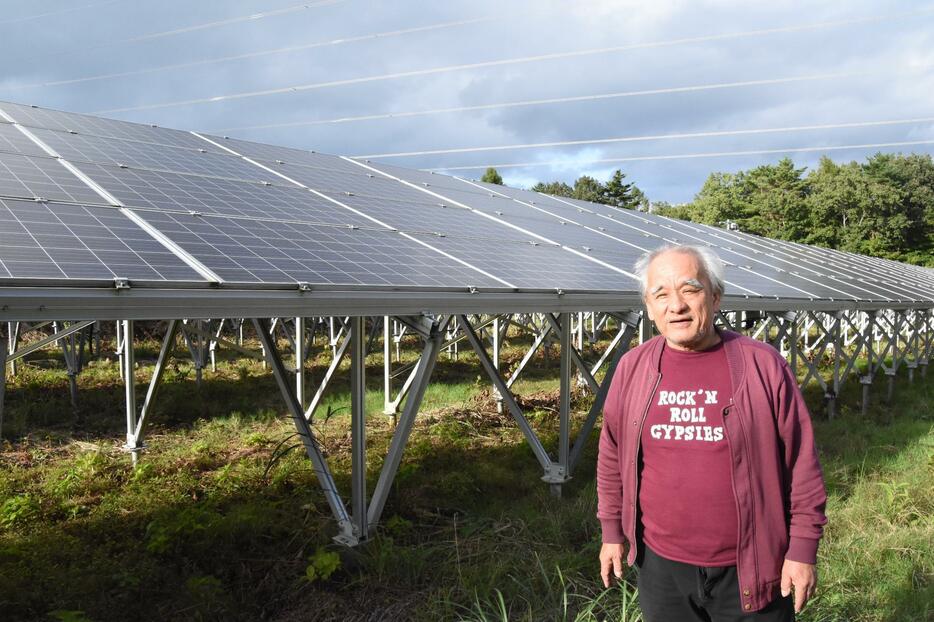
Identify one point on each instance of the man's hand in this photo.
(611, 560)
(800, 575)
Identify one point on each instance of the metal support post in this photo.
(866, 379)
(326, 481)
(300, 360)
(388, 406)
(508, 398)
(358, 339)
(496, 346)
(559, 473)
(539, 340)
(896, 358)
(3, 354)
(120, 349)
(619, 347)
(792, 319)
(913, 344)
(13, 334)
(73, 342)
(135, 443)
(645, 328)
(584, 373)
(335, 363)
(129, 381)
(426, 365)
(831, 396)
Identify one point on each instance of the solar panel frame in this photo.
(81, 243)
(42, 177)
(256, 251)
(520, 263)
(44, 118)
(178, 192)
(81, 148)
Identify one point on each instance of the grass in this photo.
(221, 520)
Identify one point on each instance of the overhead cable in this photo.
(196, 27)
(625, 139)
(28, 18)
(247, 55)
(680, 156)
(297, 88)
(551, 100)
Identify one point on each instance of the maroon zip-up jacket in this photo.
(776, 475)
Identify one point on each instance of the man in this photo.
(707, 467)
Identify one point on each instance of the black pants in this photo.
(670, 591)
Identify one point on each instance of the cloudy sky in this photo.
(719, 80)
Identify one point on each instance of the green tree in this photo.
(774, 196)
(492, 176)
(721, 198)
(914, 175)
(617, 193)
(556, 188)
(587, 188)
(639, 200)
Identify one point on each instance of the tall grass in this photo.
(223, 519)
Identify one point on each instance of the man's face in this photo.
(680, 300)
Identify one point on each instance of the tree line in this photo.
(883, 207)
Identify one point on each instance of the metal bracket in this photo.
(555, 474)
(121, 283)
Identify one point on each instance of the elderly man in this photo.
(707, 467)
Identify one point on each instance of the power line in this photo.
(196, 27)
(509, 61)
(17, 20)
(551, 100)
(221, 59)
(625, 139)
(682, 156)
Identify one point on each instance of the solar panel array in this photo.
(85, 199)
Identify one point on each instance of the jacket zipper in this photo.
(635, 466)
(726, 411)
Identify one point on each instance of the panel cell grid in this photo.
(166, 191)
(528, 266)
(39, 240)
(14, 141)
(34, 177)
(275, 253)
(96, 126)
(79, 148)
(777, 254)
(798, 271)
(357, 181)
(566, 233)
(431, 218)
(272, 153)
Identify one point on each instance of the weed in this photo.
(322, 565)
(19, 510)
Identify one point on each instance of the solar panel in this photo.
(31, 177)
(165, 191)
(55, 241)
(532, 266)
(287, 155)
(78, 148)
(256, 251)
(14, 141)
(253, 225)
(354, 179)
(797, 266)
(432, 218)
(95, 126)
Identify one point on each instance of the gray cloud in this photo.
(892, 57)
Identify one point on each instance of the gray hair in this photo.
(710, 263)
